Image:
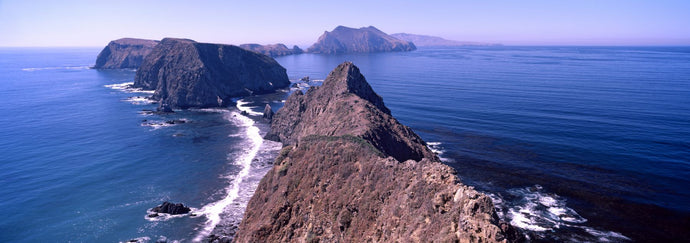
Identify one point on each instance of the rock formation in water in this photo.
(171, 208)
(350, 172)
(425, 40)
(124, 53)
(268, 112)
(185, 73)
(349, 40)
(275, 50)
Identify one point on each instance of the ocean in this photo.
(572, 143)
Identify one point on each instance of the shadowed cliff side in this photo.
(124, 53)
(185, 73)
(350, 172)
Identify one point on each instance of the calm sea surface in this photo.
(573, 143)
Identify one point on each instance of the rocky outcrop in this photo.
(275, 50)
(268, 112)
(425, 40)
(185, 73)
(335, 109)
(350, 172)
(349, 40)
(171, 208)
(124, 53)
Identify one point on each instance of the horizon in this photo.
(535, 23)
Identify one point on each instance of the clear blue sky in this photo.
(583, 22)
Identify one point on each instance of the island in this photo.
(350, 172)
(426, 40)
(185, 74)
(124, 53)
(363, 40)
(274, 50)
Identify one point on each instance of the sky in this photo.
(525, 22)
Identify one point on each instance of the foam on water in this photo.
(56, 68)
(140, 100)
(127, 87)
(211, 110)
(540, 213)
(241, 105)
(214, 210)
(437, 149)
(156, 124)
(166, 216)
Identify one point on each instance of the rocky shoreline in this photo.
(350, 172)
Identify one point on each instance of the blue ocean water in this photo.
(80, 164)
(573, 143)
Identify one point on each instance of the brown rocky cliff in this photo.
(338, 180)
(346, 105)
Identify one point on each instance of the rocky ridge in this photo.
(349, 40)
(124, 53)
(350, 172)
(186, 74)
(274, 50)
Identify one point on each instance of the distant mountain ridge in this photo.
(363, 40)
(274, 50)
(427, 40)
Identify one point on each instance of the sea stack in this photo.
(124, 53)
(367, 39)
(186, 74)
(350, 172)
(268, 112)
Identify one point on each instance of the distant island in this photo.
(363, 40)
(186, 74)
(275, 50)
(426, 40)
(124, 53)
(129, 53)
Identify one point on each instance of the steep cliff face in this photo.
(346, 104)
(351, 173)
(185, 73)
(275, 50)
(349, 40)
(124, 53)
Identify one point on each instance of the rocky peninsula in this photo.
(350, 172)
(349, 40)
(185, 73)
(274, 50)
(124, 53)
